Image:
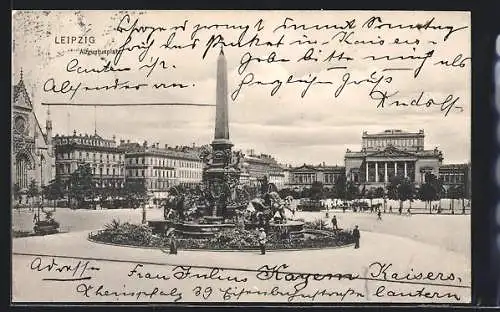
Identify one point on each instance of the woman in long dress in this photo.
(173, 243)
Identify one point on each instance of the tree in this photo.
(16, 192)
(400, 189)
(81, 184)
(430, 190)
(457, 192)
(352, 191)
(33, 190)
(406, 191)
(370, 194)
(379, 192)
(341, 187)
(54, 190)
(316, 192)
(135, 191)
(460, 193)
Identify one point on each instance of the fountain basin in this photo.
(197, 230)
(160, 226)
(294, 228)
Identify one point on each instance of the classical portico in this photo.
(376, 166)
(377, 170)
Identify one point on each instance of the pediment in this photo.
(304, 168)
(391, 152)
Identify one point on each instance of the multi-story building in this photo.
(391, 153)
(106, 160)
(453, 175)
(32, 157)
(304, 176)
(161, 168)
(256, 167)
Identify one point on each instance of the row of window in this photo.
(183, 174)
(152, 173)
(164, 162)
(68, 169)
(160, 184)
(396, 142)
(89, 142)
(91, 156)
(453, 178)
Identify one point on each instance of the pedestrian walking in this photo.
(409, 212)
(379, 215)
(262, 241)
(173, 243)
(334, 223)
(34, 218)
(356, 235)
(390, 209)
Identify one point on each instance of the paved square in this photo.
(403, 245)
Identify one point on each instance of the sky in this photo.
(316, 128)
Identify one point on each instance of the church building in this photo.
(32, 153)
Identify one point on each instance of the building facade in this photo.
(256, 166)
(106, 160)
(391, 153)
(32, 156)
(160, 168)
(304, 176)
(453, 175)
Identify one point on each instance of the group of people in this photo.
(355, 233)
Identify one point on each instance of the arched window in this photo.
(23, 166)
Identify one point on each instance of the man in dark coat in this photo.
(173, 243)
(355, 234)
(334, 223)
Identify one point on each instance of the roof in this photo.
(141, 150)
(19, 89)
(453, 166)
(393, 132)
(391, 151)
(318, 168)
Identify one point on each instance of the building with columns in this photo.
(391, 153)
(32, 151)
(106, 160)
(304, 176)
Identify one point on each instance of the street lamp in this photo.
(42, 159)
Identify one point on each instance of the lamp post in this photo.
(40, 154)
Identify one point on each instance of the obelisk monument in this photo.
(221, 111)
(220, 176)
(221, 145)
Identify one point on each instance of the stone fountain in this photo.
(221, 180)
(221, 174)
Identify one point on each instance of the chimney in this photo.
(193, 145)
(122, 141)
(145, 144)
(324, 165)
(128, 141)
(166, 146)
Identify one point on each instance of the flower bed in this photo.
(232, 239)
